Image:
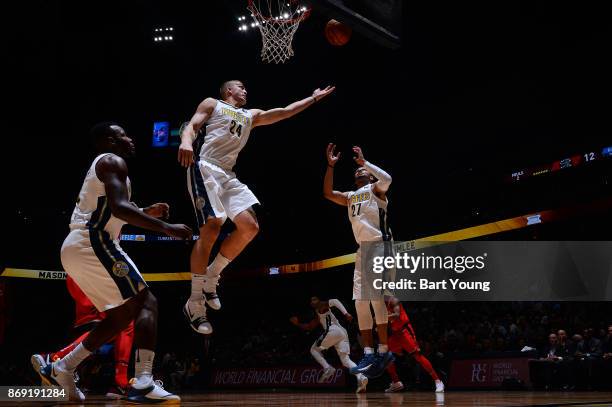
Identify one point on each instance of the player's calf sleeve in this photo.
(380, 312)
(318, 356)
(346, 360)
(364, 315)
(392, 370)
(424, 362)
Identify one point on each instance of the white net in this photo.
(277, 21)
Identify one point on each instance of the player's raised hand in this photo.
(185, 154)
(319, 94)
(358, 156)
(179, 231)
(158, 210)
(331, 158)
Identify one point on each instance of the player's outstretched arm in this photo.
(112, 171)
(265, 117)
(341, 198)
(384, 179)
(189, 132)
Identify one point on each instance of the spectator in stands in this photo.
(607, 345)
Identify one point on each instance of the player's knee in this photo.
(249, 229)
(314, 350)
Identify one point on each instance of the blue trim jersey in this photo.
(227, 132)
(92, 210)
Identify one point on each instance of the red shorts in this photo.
(403, 341)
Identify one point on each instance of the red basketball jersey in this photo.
(400, 322)
(85, 311)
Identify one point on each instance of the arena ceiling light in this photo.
(163, 34)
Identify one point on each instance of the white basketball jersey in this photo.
(328, 319)
(227, 132)
(92, 209)
(368, 215)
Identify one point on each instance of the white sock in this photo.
(70, 362)
(197, 285)
(143, 369)
(382, 348)
(368, 351)
(217, 266)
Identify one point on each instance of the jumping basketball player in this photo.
(334, 335)
(216, 192)
(91, 255)
(367, 212)
(86, 318)
(402, 340)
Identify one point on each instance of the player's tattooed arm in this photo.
(189, 131)
(113, 172)
(341, 198)
(384, 179)
(265, 117)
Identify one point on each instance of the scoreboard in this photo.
(568, 162)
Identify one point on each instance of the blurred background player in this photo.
(92, 257)
(334, 335)
(367, 212)
(402, 339)
(216, 192)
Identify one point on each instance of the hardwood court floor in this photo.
(409, 399)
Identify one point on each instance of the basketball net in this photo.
(277, 20)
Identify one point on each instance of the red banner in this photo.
(288, 376)
(488, 373)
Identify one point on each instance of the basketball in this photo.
(337, 34)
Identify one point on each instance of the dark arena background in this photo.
(491, 117)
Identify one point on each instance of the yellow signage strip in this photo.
(473, 232)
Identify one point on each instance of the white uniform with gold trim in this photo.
(368, 216)
(213, 186)
(334, 335)
(91, 254)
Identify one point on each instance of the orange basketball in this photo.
(337, 33)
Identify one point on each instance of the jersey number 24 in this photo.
(235, 128)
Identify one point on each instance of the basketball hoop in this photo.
(277, 20)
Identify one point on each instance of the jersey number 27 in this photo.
(356, 209)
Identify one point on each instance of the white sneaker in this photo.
(210, 291)
(52, 376)
(38, 363)
(327, 373)
(362, 383)
(195, 312)
(154, 393)
(439, 386)
(395, 386)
